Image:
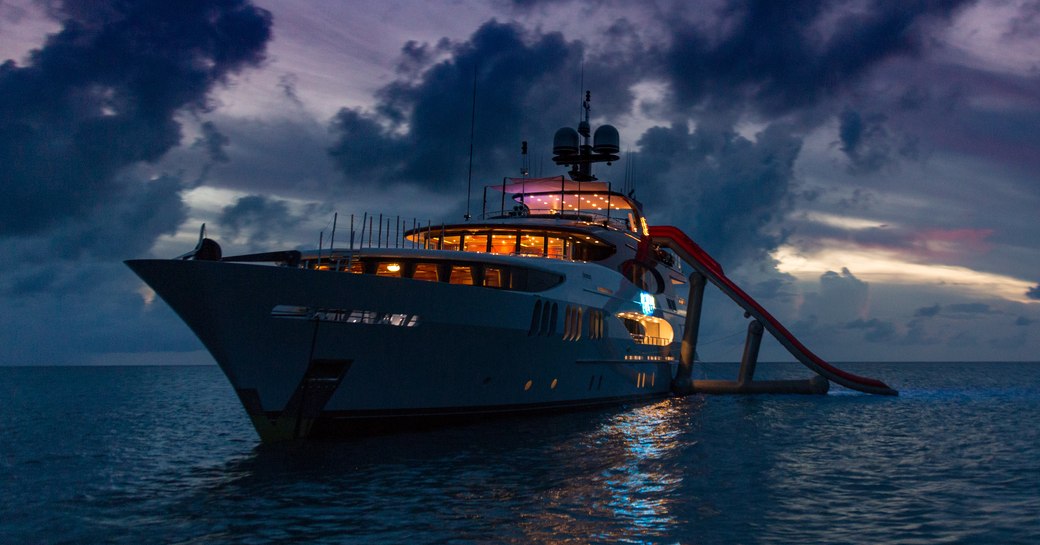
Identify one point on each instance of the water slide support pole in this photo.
(750, 357)
(683, 383)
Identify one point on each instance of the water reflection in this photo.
(768, 469)
(167, 455)
(605, 476)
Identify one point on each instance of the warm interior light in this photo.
(393, 267)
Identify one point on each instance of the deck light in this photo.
(393, 267)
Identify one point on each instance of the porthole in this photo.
(528, 384)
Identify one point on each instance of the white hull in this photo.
(312, 352)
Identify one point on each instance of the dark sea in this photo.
(167, 455)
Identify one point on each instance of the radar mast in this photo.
(572, 148)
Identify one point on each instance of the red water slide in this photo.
(693, 254)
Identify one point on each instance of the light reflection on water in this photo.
(145, 454)
(603, 476)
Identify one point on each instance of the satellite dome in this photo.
(565, 142)
(606, 140)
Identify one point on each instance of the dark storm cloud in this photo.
(527, 86)
(283, 155)
(255, 217)
(841, 297)
(101, 94)
(927, 312)
(766, 59)
(287, 83)
(850, 131)
(970, 308)
(1022, 321)
(214, 142)
(1033, 292)
(727, 190)
(128, 226)
(1027, 22)
(875, 330)
(777, 56)
(844, 286)
(869, 145)
(364, 147)
(78, 121)
(416, 57)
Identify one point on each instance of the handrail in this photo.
(594, 216)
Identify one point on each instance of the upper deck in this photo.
(560, 198)
(545, 217)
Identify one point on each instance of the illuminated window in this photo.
(425, 271)
(493, 277)
(388, 269)
(532, 244)
(476, 243)
(362, 317)
(554, 247)
(647, 329)
(461, 274)
(557, 245)
(450, 243)
(503, 243)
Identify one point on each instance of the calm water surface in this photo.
(167, 455)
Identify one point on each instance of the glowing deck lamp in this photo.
(393, 267)
(646, 301)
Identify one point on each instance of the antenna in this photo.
(472, 124)
(581, 87)
(332, 241)
(525, 169)
(525, 162)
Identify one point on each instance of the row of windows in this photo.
(517, 241)
(574, 317)
(367, 317)
(346, 316)
(597, 324)
(543, 321)
(572, 323)
(452, 272)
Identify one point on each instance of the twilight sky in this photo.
(868, 169)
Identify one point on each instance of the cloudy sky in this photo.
(867, 168)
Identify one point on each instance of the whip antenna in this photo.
(472, 124)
